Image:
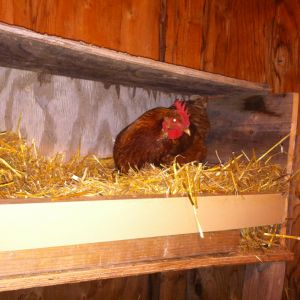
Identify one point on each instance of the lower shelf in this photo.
(59, 265)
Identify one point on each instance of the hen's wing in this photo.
(142, 141)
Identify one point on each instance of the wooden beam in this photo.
(25, 49)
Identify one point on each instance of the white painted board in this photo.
(49, 224)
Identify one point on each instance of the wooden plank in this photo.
(235, 41)
(183, 37)
(248, 124)
(292, 287)
(35, 261)
(20, 48)
(264, 281)
(126, 288)
(170, 285)
(133, 24)
(145, 267)
(213, 283)
(67, 223)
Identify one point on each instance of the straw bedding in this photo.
(25, 173)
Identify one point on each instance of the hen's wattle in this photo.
(162, 134)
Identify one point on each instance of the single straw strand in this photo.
(293, 237)
(198, 223)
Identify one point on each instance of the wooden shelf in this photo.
(25, 49)
(99, 271)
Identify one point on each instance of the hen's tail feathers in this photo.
(197, 109)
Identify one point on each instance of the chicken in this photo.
(163, 134)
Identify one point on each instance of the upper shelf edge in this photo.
(25, 49)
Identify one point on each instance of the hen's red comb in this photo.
(180, 107)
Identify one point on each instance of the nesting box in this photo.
(69, 91)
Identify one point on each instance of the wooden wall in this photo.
(253, 40)
(59, 119)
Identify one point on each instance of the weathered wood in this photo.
(251, 124)
(129, 26)
(292, 286)
(85, 256)
(91, 114)
(143, 267)
(20, 48)
(264, 281)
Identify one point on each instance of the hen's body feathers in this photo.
(144, 140)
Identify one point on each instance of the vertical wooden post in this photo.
(264, 281)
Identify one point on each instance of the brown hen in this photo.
(162, 134)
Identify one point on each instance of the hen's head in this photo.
(177, 122)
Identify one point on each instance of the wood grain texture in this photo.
(184, 32)
(264, 282)
(130, 25)
(255, 123)
(235, 38)
(144, 267)
(26, 49)
(215, 283)
(292, 280)
(127, 288)
(86, 256)
(256, 40)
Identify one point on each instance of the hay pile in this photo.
(25, 173)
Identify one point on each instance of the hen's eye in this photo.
(174, 120)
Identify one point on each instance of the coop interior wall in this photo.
(60, 113)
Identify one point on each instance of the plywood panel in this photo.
(60, 118)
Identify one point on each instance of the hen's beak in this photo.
(187, 131)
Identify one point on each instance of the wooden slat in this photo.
(264, 282)
(126, 288)
(184, 32)
(20, 48)
(145, 267)
(85, 256)
(133, 24)
(248, 124)
(215, 283)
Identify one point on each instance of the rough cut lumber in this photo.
(144, 267)
(25, 49)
